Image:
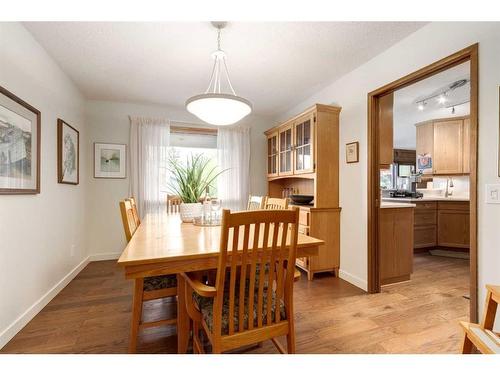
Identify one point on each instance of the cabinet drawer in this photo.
(426, 205)
(458, 206)
(303, 229)
(425, 218)
(425, 236)
(304, 217)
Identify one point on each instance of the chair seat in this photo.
(159, 282)
(485, 340)
(205, 305)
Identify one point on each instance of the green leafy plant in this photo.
(191, 180)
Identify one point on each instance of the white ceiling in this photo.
(274, 65)
(406, 113)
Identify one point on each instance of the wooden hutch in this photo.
(303, 157)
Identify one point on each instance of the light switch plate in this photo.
(493, 193)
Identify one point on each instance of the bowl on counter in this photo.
(301, 199)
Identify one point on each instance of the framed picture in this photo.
(352, 152)
(110, 160)
(68, 153)
(19, 145)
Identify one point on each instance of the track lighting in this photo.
(442, 98)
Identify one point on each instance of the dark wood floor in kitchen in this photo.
(92, 315)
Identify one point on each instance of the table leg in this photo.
(182, 317)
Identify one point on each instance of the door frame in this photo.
(467, 54)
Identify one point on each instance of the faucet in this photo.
(449, 184)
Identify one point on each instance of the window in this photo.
(182, 146)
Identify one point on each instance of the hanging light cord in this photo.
(214, 85)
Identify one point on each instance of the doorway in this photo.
(377, 155)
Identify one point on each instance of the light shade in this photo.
(219, 109)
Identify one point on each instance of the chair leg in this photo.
(196, 338)
(290, 338)
(467, 345)
(216, 347)
(136, 315)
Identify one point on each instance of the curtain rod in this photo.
(190, 128)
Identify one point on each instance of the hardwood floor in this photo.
(92, 315)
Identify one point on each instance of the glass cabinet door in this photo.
(272, 155)
(285, 151)
(303, 150)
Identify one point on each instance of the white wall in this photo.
(109, 122)
(37, 231)
(350, 92)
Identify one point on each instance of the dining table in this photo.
(164, 245)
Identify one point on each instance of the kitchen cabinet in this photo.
(404, 157)
(453, 224)
(446, 144)
(441, 224)
(272, 154)
(285, 150)
(395, 244)
(303, 146)
(425, 146)
(466, 145)
(425, 225)
(386, 129)
(448, 147)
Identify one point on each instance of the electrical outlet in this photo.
(72, 250)
(493, 193)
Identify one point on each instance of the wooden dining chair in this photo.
(280, 204)
(255, 202)
(275, 203)
(481, 335)
(173, 204)
(135, 212)
(241, 309)
(128, 220)
(147, 288)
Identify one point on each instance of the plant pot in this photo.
(189, 211)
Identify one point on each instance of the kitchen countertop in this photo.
(426, 199)
(386, 204)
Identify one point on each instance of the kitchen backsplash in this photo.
(460, 184)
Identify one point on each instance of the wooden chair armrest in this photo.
(198, 286)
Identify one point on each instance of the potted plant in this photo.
(190, 181)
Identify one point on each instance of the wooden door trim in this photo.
(467, 54)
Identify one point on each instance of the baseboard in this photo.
(354, 280)
(34, 309)
(104, 256)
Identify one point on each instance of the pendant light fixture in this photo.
(215, 106)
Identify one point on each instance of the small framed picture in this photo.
(68, 153)
(110, 160)
(352, 152)
(19, 145)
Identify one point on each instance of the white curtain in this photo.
(233, 154)
(149, 140)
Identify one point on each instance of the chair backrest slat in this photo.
(253, 269)
(255, 202)
(173, 204)
(128, 220)
(243, 278)
(261, 245)
(276, 204)
(232, 280)
(262, 264)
